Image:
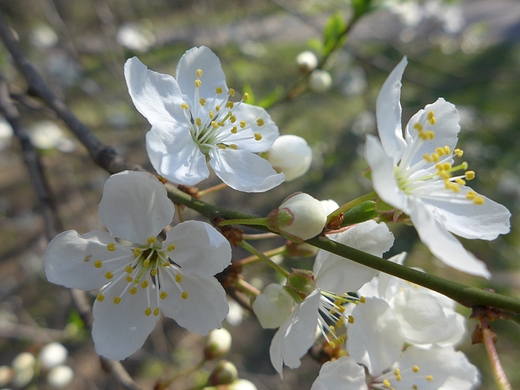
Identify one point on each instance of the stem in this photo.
(498, 371)
(264, 258)
(244, 221)
(347, 206)
(259, 236)
(191, 370)
(255, 259)
(242, 286)
(216, 188)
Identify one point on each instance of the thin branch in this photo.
(104, 156)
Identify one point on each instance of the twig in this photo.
(104, 156)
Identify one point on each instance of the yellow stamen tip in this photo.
(152, 240)
(132, 290)
(171, 247)
(163, 295)
(198, 83)
(260, 122)
(117, 300)
(258, 136)
(231, 92)
(199, 72)
(148, 311)
(218, 90)
(245, 97)
(111, 247)
(98, 263)
(202, 102)
(178, 278)
(415, 368)
(109, 275)
(184, 295)
(156, 311)
(100, 297)
(470, 175)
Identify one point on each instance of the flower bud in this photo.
(60, 376)
(23, 366)
(272, 306)
(291, 155)
(53, 354)
(300, 283)
(299, 217)
(224, 373)
(242, 384)
(306, 61)
(217, 344)
(320, 81)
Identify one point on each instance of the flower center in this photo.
(146, 269)
(400, 378)
(434, 176)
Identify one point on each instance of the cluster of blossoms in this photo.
(402, 334)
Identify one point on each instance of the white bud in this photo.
(306, 61)
(60, 376)
(23, 366)
(242, 384)
(217, 343)
(320, 81)
(329, 205)
(272, 306)
(291, 155)
(6, 374)
(53, 354)
(299, 217)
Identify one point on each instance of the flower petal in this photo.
(199, 248)
(205, 307)
(212, 75)
(339, 275)
(382, 171)
(388, 113)
(468, 220)
(343, 373)
(121, 329)
(296, 334)
(375, 338)
(244, 171)
(442, 244)
(175, 155)
(135, 206)
(69, 259)
(155, 95)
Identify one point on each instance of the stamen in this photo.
(431, 118)
(260, 122)
(152, 240)
(245, 97)
(198, 83)
(156, 311)
(218, 90)
(178, 278)
(148, 311)
(184, 295)
(98, 263)
(231, 92)
(171, 247)
(117, 300)
(199, 72)
(111, 247)
(100, 297)
(258, 136)
(202, 102)
(109, 275)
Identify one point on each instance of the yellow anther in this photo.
(117, 300)
(258, 136)
(341, 340)
(414, 387)
(332, 329)
(154, 272)
(146, 263)
(100, 297)
(478, 200)
(439, 151)
(156, 311)
(129, 279)
(351, 319)
(233, 146)
(431, 117)
(129, 269)
(163, 295)
(221, 124)
(332, 344)
(429, 377)
(232, 119)
(144, 284)
(470, 175)
(458, 152)
(471, 195)
(464, 165)
(362, 299)
(218, 90)
(460, 181)
(198, 83)
(87, 258)
(230, 105)
(184, 295)
(397, 372)
(152, 240)
(198, 122)
(137, 252)
(245, 97)
(98, 263)
(446, 166)
(171, 247)
(243, 124)
(109, 275)
(211, 114)
(185, 106)
(430, 135)
(339, 322)
(202, 102)
(214, 124)
(234, 130)
(415, 369)
(148, 311)
(221, 146)
(178, 278)
(447, 149)
(435, 157)
(217, 108)
(332, 311)
(386, 383)
(132, 290)
(260, 122)
(427, 158)
(418, 127)
(231, 92)
(444, 175)
(199, 72)
(166, 264)
(111, 247)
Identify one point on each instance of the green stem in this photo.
(347, 206)
(264, 258)
(465, 295)
(255, 259)
(244, 221)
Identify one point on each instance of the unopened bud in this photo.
(320, 81)
(224, 373)
(291, 155)
(53, 354)
(300, 283)
(306, 61)
(272, 306)
(299, 217)
(242, 384)
(60, 377)
(217, 344)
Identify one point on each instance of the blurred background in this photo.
(465, 51)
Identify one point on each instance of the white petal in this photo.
(337, 274)
(244, 171)
(175, 155)
(296, 334)
(388, 113)
(69, 259)
(199, 248)
(442, 243)
(155, 95)
(382, 172)
(485, 221)
(465, 376)
(245, 139)
(343, 373)
(375, 338)
(135, 206)
(212, 75)
(120, 330)
(205, 307)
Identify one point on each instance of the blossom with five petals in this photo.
(416, 174)
(139, 276)
(194, 123)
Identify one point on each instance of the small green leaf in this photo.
(333, 32)
(270, 99)
(360, 213)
